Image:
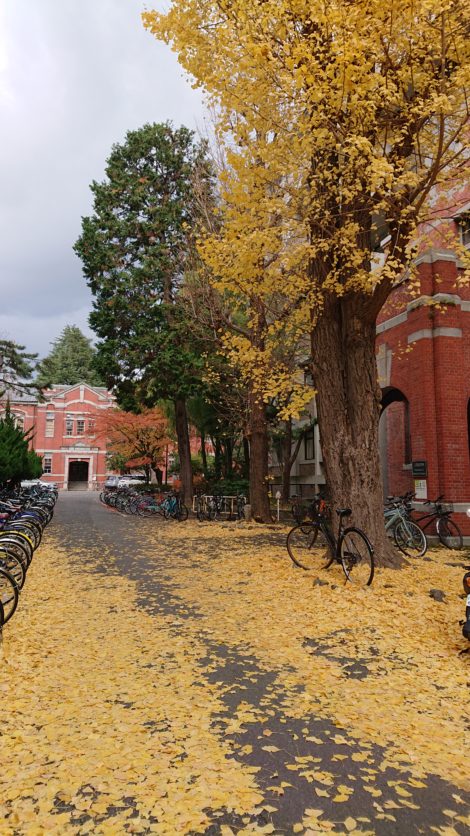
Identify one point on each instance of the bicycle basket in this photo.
(445, 507)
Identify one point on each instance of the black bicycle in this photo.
(446, 529)
(313, 545)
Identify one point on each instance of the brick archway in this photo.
(395, 442)
(78, 474)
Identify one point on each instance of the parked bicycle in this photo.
(174, 508)
(313, 545)
(407, 535)
(217, 507)
(440, 518)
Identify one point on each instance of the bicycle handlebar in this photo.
(434, 501)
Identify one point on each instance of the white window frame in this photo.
(309, 438)
(47, 458)
(18, 418)
(464, 229)
(50, 425)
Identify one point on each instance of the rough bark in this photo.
(217, 459)
(184, 451)
(246, 458)
(204, 454)
(348, 403)
(158, 474)
(258, 438)
(228, 455)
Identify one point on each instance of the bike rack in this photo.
(226, 502)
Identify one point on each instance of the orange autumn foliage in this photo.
(139, 439)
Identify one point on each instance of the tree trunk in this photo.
(158, 474)
(246, 458)
(228, 450)
(204, 455)
(258, 437)
(217, 459)
(348, 402)
(184, 451)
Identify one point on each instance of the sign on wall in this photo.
(421, 489)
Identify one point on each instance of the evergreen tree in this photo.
(70, 361)
(136, 249)
(16, 460)
(16, 368)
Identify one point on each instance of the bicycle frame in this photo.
(319, 519)
(392, 516)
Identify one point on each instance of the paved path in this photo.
(314, 773)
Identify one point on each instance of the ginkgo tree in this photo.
(340, 120)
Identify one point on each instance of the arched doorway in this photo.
(78, 476)
(395, 442)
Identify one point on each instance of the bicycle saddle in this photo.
(343, 512)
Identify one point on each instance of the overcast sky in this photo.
(75, 75)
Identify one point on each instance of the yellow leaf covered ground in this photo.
(143, 708)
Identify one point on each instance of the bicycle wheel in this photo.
(144, 509)
(19, 550)
(13, 566)
(309, 547)
(357, 557)
(8, 595)
(449, 533)
(20, 537)
(211, 511)
(28, 530)
(410, 538)
(182, 513)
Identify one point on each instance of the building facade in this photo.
(64, 433)
(423, 356)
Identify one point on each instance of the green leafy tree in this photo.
(136, 248)
(16, 460)
(71, 360)
(34, 467)
(16, 368)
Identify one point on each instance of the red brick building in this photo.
(423, 354)
(64, 433)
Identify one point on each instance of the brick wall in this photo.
(429, 362)
(64, 430)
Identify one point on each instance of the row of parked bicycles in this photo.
(170, 505)
(23, 516)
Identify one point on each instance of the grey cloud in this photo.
(75, 76)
